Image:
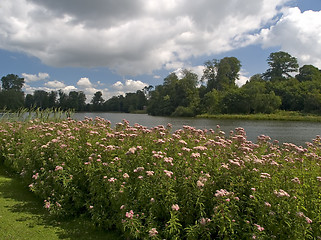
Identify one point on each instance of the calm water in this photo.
(284, 131)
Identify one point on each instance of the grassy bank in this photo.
(280, 116)
(22, 216)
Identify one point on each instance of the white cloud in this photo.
(35, 77)
(55, 84)
(84, 83)
(298, 33)
(129, 86)
(131, 36)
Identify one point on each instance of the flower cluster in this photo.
(159, 184)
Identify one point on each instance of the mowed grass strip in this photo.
(22, 216)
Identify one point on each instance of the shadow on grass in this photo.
(29, 209)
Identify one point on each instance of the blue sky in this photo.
(119, 47)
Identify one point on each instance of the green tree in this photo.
(29, 101)
(11, 99)
(41, 99)
(12, 82)
(11, 95)
(221, 74)
(52, 99)
(63, 100)
(281, 65)
(308, 73)
(312, 102)
(97, 101)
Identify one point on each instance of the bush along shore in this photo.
(158, 184)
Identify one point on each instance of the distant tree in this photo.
(97, 101)
(175, 92)
(52, 99)
(281, 65)
(12, 82)
(81, 101)
(29, 101)
(11, 95)
(308, 73)
(63, 100)
(11, 99)
(221, 74)
(41, 99)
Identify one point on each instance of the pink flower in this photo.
(112, 179)
(308, 220)
(200, 184)
(175, 207)
(150, 173)
(296, 180)
(267, 204)
(47, 204)
(58, 168)
(168, 173)
(125, 175)
(221, 193)
(129, 214)
(153, 232)
(132, 150)
(35, 176)
(259, 227)
(122, 206)
(281, 193)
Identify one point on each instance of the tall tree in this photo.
(97, 101)
(281, 65)
(52, 99)
(41, 99)
(221, 74)
(12, 82)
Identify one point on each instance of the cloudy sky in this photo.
(121, 46)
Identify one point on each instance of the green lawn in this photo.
(22, 216)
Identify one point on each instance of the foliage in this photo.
(12, 82)
(158, 184)
(281, 65)
(177, 96)
(221, 74)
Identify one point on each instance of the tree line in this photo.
(13, 98)
(279, 88)
(217, 93)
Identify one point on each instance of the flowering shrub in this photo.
(158, 184)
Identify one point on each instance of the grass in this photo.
(280, 116)
(22, 216)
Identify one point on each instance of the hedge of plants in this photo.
(155, 183)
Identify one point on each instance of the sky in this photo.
(121, 46)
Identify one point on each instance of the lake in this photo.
(296, 132)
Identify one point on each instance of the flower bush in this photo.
(159, 184)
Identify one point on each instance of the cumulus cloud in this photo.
(129, 86)
(35, 77)
(55, 84)
(132, 36)
(298, 33)
(84, 83)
